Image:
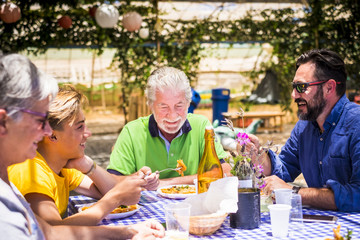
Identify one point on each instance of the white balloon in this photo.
(144, 33)
(107, 16)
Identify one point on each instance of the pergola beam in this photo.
(240, 1)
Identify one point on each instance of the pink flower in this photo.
(259, 168)
(261, 185)
(242, 138)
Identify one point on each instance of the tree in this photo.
(319, 24)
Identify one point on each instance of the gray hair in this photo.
(22, 84)
(167, 77)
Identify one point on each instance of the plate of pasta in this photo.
(120, 212)
(177, 191)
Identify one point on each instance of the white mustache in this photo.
(173, 121)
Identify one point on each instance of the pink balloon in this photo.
(10, 12)
(132, 21)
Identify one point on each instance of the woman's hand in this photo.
(149, 229)
(83, 164)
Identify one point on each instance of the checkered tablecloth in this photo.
(152, 207)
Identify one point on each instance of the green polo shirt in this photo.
(139, 144)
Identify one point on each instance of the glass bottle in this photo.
(210, 167)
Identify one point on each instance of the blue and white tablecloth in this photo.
(152, 207)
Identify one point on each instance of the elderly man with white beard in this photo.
(325, 143)
(170, 133)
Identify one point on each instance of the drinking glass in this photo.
(283, 196)
(279, 216)
(296, 214)
(177, 220)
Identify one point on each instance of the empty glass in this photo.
(279, 217)
(177, 220)
(283, 196)
(296, 214)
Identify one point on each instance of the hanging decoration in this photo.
(144, 33)
(132, 21)
(65, 22)
(107, 16)
(10, 12)
(92, 11)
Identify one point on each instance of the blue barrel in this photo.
(195, 100)
(220, 102)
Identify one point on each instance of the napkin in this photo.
(222, 197)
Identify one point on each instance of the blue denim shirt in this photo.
(330, 159)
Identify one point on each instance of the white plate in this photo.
(322, 238)
(114, 215)
(175, 195)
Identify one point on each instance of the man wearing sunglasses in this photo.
(325, 143)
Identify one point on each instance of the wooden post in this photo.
(92, 77)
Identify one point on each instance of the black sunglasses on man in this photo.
(301, 87)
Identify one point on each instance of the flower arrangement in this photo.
(246, 162)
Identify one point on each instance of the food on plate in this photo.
(120, 209)
(182, 189)
(337, 235)
(182, 166)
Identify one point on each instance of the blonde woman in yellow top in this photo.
(61, 166)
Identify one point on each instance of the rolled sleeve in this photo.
(347, 196)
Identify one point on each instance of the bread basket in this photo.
(206, 224)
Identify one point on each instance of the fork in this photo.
(167, 169)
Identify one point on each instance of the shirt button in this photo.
(321, 139)
(320, 162)
(334, 124)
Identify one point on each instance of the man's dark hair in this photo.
(328, 65)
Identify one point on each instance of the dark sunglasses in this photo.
(45, 116)
(301, 87)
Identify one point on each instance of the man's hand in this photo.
(152, 179)
(274, 182)
(251, 147)
(150, 229)
(254, 143)
(254, 148)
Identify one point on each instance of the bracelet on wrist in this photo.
(92, 169)
(296, 189)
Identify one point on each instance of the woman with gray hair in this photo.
(25, 95)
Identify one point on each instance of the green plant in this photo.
(290, 32)
(246, 163)
(243, 167)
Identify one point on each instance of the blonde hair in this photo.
(65, 107)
